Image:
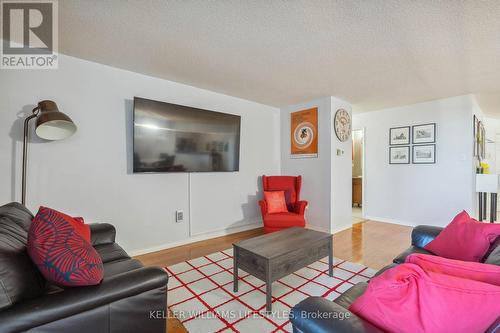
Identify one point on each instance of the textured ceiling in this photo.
(374, 54)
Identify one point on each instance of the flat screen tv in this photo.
(175, 138)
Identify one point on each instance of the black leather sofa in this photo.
(131, 298)
(318, 315)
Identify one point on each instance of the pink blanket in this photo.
(408, 299)
(464, 269)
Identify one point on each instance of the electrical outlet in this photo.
(179, 216)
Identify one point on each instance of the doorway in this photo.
(358, 154)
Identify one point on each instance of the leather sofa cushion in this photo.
(102, 233)
(111, 252)
(493, 256)
(385, 268)
(319, 315)
(19, 278)
(495, 327)
(113, 268)
(422, 235)
(59, 309)
(347, 298)
(18, 214)
(412, 249)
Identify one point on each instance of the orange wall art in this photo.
(304, 133)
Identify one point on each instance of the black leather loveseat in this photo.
(131, 298)
(318, 315)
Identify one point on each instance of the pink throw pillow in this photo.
(408, 299)
(463, 269)
(464, 239)
(275, 202)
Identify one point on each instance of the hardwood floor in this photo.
(373, 244)
(182, 253)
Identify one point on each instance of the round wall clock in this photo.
(342, 125)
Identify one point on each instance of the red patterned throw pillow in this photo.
(60, 252)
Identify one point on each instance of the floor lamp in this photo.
(51, 124)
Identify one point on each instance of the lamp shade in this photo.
(52, 124)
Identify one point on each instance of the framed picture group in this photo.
(423, 140)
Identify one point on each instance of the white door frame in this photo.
(363, 173)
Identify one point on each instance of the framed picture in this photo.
(399, 136)
(304, 133)
(425, 133)
(399, 155)
(424, 154)
(476, 131)
(482, 141)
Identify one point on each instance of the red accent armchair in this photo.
(296, 208)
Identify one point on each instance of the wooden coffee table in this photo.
(272, 256)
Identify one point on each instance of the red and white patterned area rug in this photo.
(200, 293)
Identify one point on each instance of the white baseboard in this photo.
(337, 230)
(317, 228)
(197, 238)
(224, 232)
(393, 221)
(240, 227)
(327, 230)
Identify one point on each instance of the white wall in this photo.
(315, 171)
(420, 194)
(89, 174)
(326, 182)
(341, 174)
(492, 129)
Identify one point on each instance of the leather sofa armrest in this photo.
(495, 327)
(71, 301)
(386, 268)
(263, 207)
(319, 315)
(421, 235)
(300, 207)
(102, 233)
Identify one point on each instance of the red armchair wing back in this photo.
(289, 184)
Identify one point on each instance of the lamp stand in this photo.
(493, 207)
(483, 202)
(25, 153)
